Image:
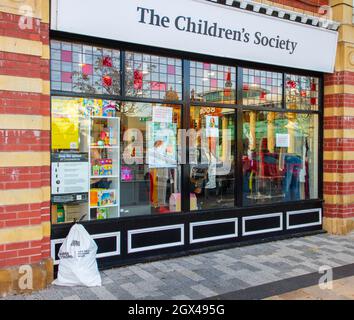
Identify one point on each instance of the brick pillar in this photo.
(24, 146)
(339, 129)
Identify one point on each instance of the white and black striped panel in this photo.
(213, 230)
(149, 239)
(265, 223)
(303, 218)
(109, 241)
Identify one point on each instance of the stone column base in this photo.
(26, 279)
(338, 226)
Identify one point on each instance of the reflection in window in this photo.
(150, 171)
(212, 83)
(150, 76)
(83, 68)
(301, 92)
(280, 157)
(262, 88)
(211, 156)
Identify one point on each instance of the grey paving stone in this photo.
(212, 273)
(204, 291)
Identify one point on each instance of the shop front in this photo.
(181, 126)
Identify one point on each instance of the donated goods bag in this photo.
(78, 265)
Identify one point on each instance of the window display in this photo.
(280, 157)
(104, 143)
(211, 156)
(113, 159)
(151, 170)
(85, 159)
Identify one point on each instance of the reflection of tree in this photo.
(135, 84)
(104, 76)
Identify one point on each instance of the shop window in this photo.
(85, 159)
(155, 77)
(280, 159)
(212, 83)
(301, 92)
(211, 158)
(151, 172)
(262, 88)
(112, 160)
(82, 68)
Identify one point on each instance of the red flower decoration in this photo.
(138, 80)
(107, 62)
(303, 93)
(107, 81)
(291, 84)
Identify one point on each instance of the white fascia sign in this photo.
(202, 27)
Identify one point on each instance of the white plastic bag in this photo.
(78, 265)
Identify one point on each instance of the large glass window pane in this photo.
(85, 159)
(301, 92)
(262, 88)
(83, 68)
(150, 169)
(212, 146)
(280, 160)
(155, 77)
(212, 83)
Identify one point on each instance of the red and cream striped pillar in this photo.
(24, 146)
(339, 128)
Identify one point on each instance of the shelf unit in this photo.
(98, 124)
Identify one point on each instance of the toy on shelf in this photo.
(102, 167)
(98, 108)
(102, 197)
(106, 138)
(109, 110)
(102, 214)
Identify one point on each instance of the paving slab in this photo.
(220, 272)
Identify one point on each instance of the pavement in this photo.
(342, 289)
(286, 269)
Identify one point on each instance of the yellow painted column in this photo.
(253, 123)
(271, 131)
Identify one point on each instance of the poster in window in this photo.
(65, 124)
(162, 114)
(162, 145)
(282, 140)
(70, 173)
(212, 126)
